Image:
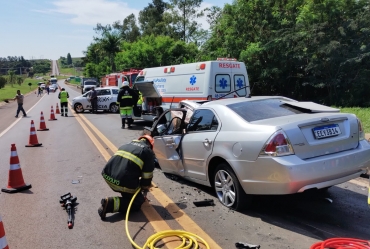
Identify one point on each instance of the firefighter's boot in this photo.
(130, 121)
(107, 206)
(123, 123)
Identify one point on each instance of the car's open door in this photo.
(169, 128)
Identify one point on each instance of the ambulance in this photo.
(200, 81)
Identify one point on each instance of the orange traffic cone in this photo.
(3, 242)
(52, 116)
(42, 123)
(57, 110)
(15, 182)
(33, 142)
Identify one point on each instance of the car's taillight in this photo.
(278, 145)
(361, 134)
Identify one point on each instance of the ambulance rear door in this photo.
(240, 81)
(228, 76)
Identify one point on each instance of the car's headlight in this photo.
(278, 145)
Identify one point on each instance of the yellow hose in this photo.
(189, 240)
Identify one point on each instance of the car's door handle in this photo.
(207, 141)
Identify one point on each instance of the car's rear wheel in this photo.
(79, 108)
(113, 108)
(228, 189)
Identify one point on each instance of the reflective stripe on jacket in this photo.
(127, 97)
(130, 167)
(63, 96)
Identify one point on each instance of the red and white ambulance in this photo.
(207, 80)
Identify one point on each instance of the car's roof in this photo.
(229, 101)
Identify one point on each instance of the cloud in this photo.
(91, 12)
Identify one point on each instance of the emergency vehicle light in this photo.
(172, 69)
(165, 70)
(226, 59)
(202, 66)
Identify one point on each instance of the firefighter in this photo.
(127, 99)
(129, 169)
(63, 96)
(139, 105)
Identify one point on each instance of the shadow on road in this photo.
(336, 212)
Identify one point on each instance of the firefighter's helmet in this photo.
(149, 139)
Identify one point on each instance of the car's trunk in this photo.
(313, 135)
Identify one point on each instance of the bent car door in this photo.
(197, 143)
(167, 143)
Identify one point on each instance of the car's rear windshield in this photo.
(263, 109)
(90, 83)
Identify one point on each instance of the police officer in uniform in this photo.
(63, 96)
(129, 169)
(127, 99)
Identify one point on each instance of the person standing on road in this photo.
(129, 169)
(39, 91)
(19, 97)
(94, 100)
(127, 99)
(47, 89)
(63, 96)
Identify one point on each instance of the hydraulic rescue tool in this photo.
(68, 202)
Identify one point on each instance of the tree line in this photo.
(13, 69)
(307, 50)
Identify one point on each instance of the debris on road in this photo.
(205, 203)
(242, 245)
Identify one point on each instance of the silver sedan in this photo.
(260, 146)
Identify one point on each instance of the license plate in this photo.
(326, 131)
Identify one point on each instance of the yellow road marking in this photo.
(151, 214)
(98, 145)
(181, 217)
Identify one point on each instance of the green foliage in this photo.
(41, 67)
(3, 81)
(11, 77)
(19, 80)
(151, 19)
(153, 51)
(318, 53)
(69, 59)
(129, 31)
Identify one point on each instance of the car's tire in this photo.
(228, 189)
(113, 108)
(79, 108)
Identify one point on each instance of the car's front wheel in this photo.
(79, 108)
(228, 189)
(113, 108)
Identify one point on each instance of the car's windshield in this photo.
(263, 109)
(90, 83)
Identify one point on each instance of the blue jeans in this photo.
(20, 108)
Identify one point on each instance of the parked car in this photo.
(260, 146)
(107, 98)
(53, 87)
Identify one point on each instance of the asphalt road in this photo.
(54, 68)
(77, 148)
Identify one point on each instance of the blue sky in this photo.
(49, 29)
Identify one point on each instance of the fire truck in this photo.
(116, 79)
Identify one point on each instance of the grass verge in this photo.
(9, 91)
(362, 113)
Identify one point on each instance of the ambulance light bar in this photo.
(226, 59)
